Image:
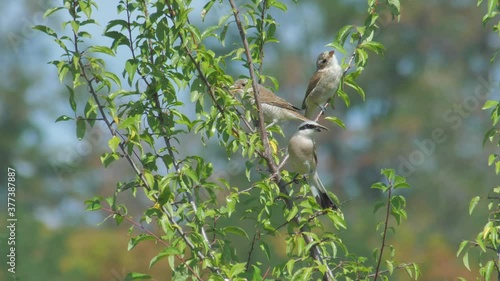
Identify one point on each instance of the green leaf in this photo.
(108, 158)
(394, 7)
(51, 11)
(491, 159)
(237, 269)
(389, 174)
(373, 46)
(473, 204)
(86, 7)
(169, 251)
(462, 246)
(292, 213)
(343, 95)
(465, 260)
(128, 122)
(390, 266)
(256, 276)
(134, 241)
(131, 68)
(72, 101)
(265, 248)
(206, 8)
(342, 34)
(379, 185)
(136, 276)
(490, 265)
(63, 118)
(113, 143)
(279, 5)
(45, 29)
(101, 49)
(488, 136)
(93, 204)
(81, 126)
(489, 104)
(491, 13)
(236, 230)
(336, 121)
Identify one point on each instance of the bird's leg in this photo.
(330, 101)
(323, 108)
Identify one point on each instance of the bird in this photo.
(323, 83)
(303, 160)
(274, 108)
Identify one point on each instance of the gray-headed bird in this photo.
(303, 160)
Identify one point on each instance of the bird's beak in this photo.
(331, 53)
(319, 127)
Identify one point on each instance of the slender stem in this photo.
(384, 235)
(261, 45)
(251, 250)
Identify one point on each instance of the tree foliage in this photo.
(165, 56)
(487, 240)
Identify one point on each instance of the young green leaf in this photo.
(473, 204)
(136, 276)
(81, 126)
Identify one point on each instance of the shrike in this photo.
(323, 84)
(274, 108)
(303, 160)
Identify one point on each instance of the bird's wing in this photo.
(315, 157)
(266, 96)
(312, 84)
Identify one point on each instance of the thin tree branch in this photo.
(251, 250)
(261, 45)
(384, 235)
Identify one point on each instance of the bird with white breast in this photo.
(303, 160)
(323, 84)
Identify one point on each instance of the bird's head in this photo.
(325, 59)
(241, 86)
(311, 127)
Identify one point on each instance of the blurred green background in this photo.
(422, 116)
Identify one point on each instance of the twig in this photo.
(251, 250)
(386, 224)
(261, 46)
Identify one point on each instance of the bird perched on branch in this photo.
(303, 160)
(274, 108)
(323, 83)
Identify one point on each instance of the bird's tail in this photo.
(319, 192)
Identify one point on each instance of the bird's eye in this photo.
(324, 60)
